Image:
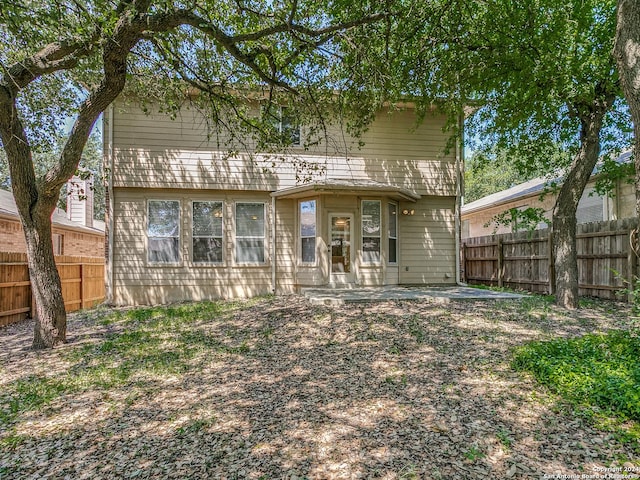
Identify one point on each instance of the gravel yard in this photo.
(276, 388)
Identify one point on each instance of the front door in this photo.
(341, 248)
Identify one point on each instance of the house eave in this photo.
(499, 203)
(347, 188)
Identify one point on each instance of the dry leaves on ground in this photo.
(280, 389)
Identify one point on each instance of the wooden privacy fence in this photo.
(522, 260)
(82, 284)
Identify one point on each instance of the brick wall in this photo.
(74, 242)
(11, 236)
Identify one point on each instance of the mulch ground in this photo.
(388, 390)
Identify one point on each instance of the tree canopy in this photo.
(72, 59)
(542, 82)
(493, 170)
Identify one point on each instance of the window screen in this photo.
(308, 230)
(207, 232)
(393, 233)
(163, 231)
(250, 233)
(371, 231)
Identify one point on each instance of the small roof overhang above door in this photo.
(347, 187)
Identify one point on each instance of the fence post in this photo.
(632, 263)
(463, 263)
(82, 285)
(552, 266)
(500, 262)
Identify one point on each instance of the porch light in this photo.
(408, 212)
(341, 222)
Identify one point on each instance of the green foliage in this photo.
(505, 438)
(597, 373)
(474, 453)
(528, 90)
(492, 171)
(631, 292)
(518, 219)
(611, 172)
(91, 162)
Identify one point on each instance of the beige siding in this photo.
(392, 276)
(427, 241)
(625, 200)
(154, 151)
(285, 246)
(426, 248)
(138, 282)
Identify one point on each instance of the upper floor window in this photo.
(250, 233)
(207, 232)
(308, 231)
(163, 231)
(371, 231)
(284, 125)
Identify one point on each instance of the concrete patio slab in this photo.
(340, 296)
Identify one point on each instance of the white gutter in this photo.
(273, 245)
(459, 179)
(109, 267)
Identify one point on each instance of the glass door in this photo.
(341, 246)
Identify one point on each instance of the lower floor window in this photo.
(250, 250)
(207, 232)
(371, 231)
(393, 233)
(250, 233)
(163, 231)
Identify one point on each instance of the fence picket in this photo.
(82, 284)
(524, 260)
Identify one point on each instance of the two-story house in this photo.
(187, 220)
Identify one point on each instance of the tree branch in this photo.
(53, 57)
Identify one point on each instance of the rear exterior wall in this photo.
(156, 158)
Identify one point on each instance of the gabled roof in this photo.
(527, 189)
(58, 218)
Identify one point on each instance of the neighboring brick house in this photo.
(478, 216)
(74, 232)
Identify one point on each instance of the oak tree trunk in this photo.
(564, 210)
(627, 53)
(50, 315)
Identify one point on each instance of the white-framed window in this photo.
(58, 243)
(283, 123)
(308, 231)
(591, 206)
(371, 231)
(207, 228)
(250, 232)
(163, 231)
(393, 233)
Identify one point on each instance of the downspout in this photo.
(109, 267)
(459, 180)
(273, 245)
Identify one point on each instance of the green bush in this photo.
(599, 372)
